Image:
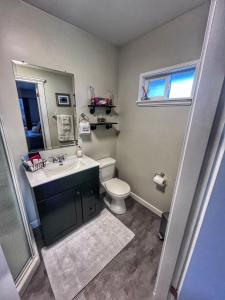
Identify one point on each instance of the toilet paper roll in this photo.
(159, 180)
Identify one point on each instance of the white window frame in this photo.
(145, 78)
(147, 82)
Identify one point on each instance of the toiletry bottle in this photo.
(92, 95)
(109, 97)
(79, 152)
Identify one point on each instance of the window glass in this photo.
(156, 88)
(181, 84)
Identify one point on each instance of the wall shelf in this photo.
(107, 125)
(108, 108)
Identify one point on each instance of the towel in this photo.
(65, 128)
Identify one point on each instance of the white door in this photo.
(205, 101)
(16, 239)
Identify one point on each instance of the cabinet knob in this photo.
(77, 193)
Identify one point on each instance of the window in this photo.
(171, 85)
(156, 88)
(181, 84)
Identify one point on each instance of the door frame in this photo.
(33, 262)
(42, 107)
(206, 97)
(218, 157)
(200, 199)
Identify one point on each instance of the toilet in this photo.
(116, 189)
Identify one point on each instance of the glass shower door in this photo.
(14, 235)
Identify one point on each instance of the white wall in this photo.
(29, 34)
(151, 137)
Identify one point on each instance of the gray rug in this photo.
(74, 261)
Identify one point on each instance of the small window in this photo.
(156, 88)
(181, 84)
(172, 85)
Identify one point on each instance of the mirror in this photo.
(47, 105)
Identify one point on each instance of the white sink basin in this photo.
(68, 164)
(53, 171)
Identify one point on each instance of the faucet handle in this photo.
(64, 156)
(61, 157)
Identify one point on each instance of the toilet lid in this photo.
(117, 187)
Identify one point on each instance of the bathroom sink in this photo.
(52, 171)
(68, 164)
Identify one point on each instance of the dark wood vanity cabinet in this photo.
(67, 203)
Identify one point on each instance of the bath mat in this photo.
(74, 261)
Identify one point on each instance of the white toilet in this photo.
(116, 190)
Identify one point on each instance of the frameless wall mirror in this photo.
(47, 105)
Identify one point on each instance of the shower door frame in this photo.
(31, 265)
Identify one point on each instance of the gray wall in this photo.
(151, 137)
(29, 34)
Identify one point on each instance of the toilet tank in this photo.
(106, 168)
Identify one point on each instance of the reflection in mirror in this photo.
(47, 106)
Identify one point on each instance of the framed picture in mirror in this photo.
(63, 99)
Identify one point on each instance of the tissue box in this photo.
(84, 127)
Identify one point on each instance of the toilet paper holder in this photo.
(160, 174)
(160, 179)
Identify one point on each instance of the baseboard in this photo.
(35, 223)
(146, 204)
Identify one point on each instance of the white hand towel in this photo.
(65, 128)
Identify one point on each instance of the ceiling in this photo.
(116, 21)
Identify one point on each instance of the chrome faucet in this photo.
(59, 159)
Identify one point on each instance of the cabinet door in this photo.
(60, 214)
(91, 202)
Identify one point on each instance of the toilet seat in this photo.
(117, 187)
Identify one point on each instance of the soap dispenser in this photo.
(79, 152)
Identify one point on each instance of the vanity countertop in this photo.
(51, 172)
